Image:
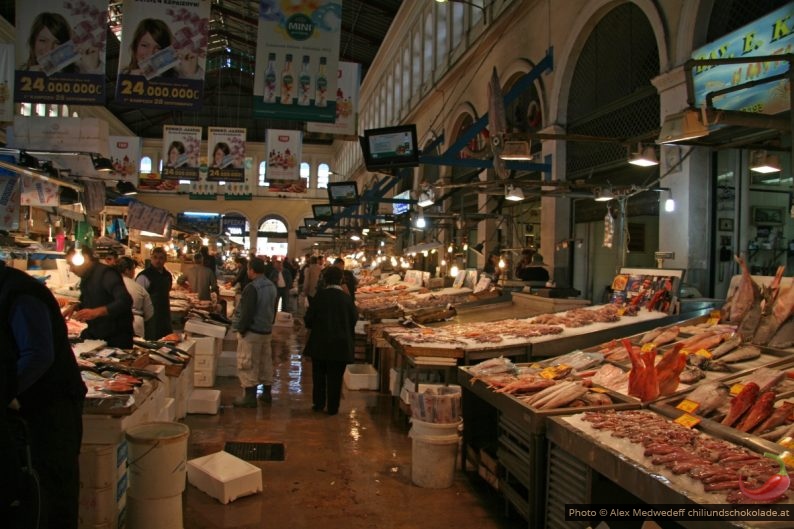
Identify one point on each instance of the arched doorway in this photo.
(272, 236)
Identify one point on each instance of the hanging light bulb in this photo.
(449, 248)
(443, 262)
(453, 271)
(465, 246)
(501, 262)
(669, 205)
(78, 258)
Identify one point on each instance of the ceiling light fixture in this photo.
(126, 188)
(682, 126)
(426, 198)
(478, 248)
(517, 151)
(102, 164)
(420, 221)
(762, 162)
(604, 194)
(513, 193)
(644, 157)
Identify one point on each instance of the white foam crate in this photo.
(361, 376)
(205, 328)
(102, 465)
(204, 401)
(224, 476)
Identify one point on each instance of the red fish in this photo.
(759, 412)
(741, 403)
(669, 368)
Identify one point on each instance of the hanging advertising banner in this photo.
(284, 155)
(297, 54)
(225, 154)
(181, 149)
(60, 51)
(38, 192)
(144, 217)
(9, 202)
(6, 82)
(769, 35)
(163, 54)
(348, 84)
(125, 153)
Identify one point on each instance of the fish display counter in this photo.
(507, 406)
(642, 458)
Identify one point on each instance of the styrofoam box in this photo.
(227, 364)
(98, 507)
(207, 345)
(205, 329)
(168, 411)
(204, 401)
(224, 476)
(203, 378)
(105, 429)
(204, 363)
(361, 376)
(102, 465)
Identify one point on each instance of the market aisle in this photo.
(349, 471)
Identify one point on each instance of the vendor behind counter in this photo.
(532, 268)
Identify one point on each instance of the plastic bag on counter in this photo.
(493, 366)
(577, 360)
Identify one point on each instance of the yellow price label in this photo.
(689, 406)
(599, 390)
(788, 457)
(712, 321)
(687, 421)
(787, 442)
(737, 388)
(705, 353)
(715, 314)
(621, 311)
(648, 347)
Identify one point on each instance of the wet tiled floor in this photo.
(348, 471)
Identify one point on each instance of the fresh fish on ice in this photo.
(748, 352)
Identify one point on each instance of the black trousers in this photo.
(283, 295)
(327, 384)
(56, 431)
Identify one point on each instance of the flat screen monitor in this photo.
(322, 211)
(311, 223)
(398, 208)
(342, 194)
(390, 147)
(302, 232)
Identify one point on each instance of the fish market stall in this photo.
(505, 408)
(640, 457)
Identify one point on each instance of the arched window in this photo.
(262, 180)
(146, 165)
(306, 171)
(273, 225)
(323, 172)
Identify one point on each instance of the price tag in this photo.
(689, 406)
(621, 311)
(736, 388)
(599, 390)
(787, 442)
(648, 347)
(704, 353)
(687, 421)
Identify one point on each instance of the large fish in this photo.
(779, 416)
(497, 123)
(759, 412)
(668, 370)
(710, 396)
(742, 354)
(784, 337)
(779, 313)
(741, 403)
(744, 295)
(726, 347)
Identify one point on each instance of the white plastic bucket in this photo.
(434, 453)
(154, 512)
(157, 459)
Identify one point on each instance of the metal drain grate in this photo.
(256, 451)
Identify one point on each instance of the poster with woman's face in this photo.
(225, 154)
(163, 53)
(60, 51)
(181, 149)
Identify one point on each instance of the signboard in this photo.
(181, 148)
(226, 154)
(206, 223)
(60, 51)
(284, 148)
(769, 35)
(163, 54)
(125, 154)
(348, 84)
(6, 82)
(297, 55)
(9, 202)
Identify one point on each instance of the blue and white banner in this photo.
(769, 35)
(297, 56)
(163, 53)
(60, 51)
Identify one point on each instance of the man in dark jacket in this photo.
(332, 319)
(349, 281)
(41, 382)
(157, 281)
(105, 304)
(281, 276)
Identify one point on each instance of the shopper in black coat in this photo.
(332, 319)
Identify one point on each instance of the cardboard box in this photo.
(205, 328)
(204, 401)
(224, 476)
(361, 376)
